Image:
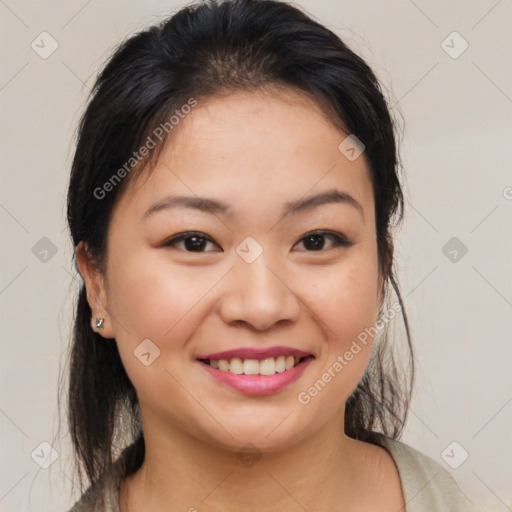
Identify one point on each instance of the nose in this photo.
(259, 295)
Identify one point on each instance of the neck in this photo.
(318, 472)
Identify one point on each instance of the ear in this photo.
(387, 269)
(96, 290)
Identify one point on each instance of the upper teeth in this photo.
(268, 366)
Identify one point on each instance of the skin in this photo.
(254, 151)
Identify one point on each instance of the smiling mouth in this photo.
(269, 366)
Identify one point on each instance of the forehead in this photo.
(252, 148)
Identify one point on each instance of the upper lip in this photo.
(256, 353)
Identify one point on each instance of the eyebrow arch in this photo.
(203, 204)
(328, 197)
(214, 206)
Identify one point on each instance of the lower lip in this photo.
(258, 384)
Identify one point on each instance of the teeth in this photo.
(269, 366)
(251, 367)
(236, 366)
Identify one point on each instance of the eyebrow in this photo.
(215, 206)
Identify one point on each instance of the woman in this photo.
(231, 203)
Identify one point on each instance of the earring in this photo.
(99, 323)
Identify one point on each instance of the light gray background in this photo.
(457, 157)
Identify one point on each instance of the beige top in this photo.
(426, 485)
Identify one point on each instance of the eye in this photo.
(194, 241)
(315, 241)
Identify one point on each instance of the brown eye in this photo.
(316, 241)
(192, 242)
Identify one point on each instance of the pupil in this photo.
(319, 241)
(198, 243)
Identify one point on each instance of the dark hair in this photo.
(208, 49)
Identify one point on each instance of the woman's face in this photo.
(252, 280)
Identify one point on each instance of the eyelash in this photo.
(338, 239)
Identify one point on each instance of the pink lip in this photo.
(255, 353)
(258, 384)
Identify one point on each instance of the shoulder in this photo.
(104, 494)
(425, 483)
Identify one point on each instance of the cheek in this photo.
(354, 306)
(149, 296)
(345, 297)
(345, 303)
(151, 299)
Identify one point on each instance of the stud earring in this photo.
(99, 323)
